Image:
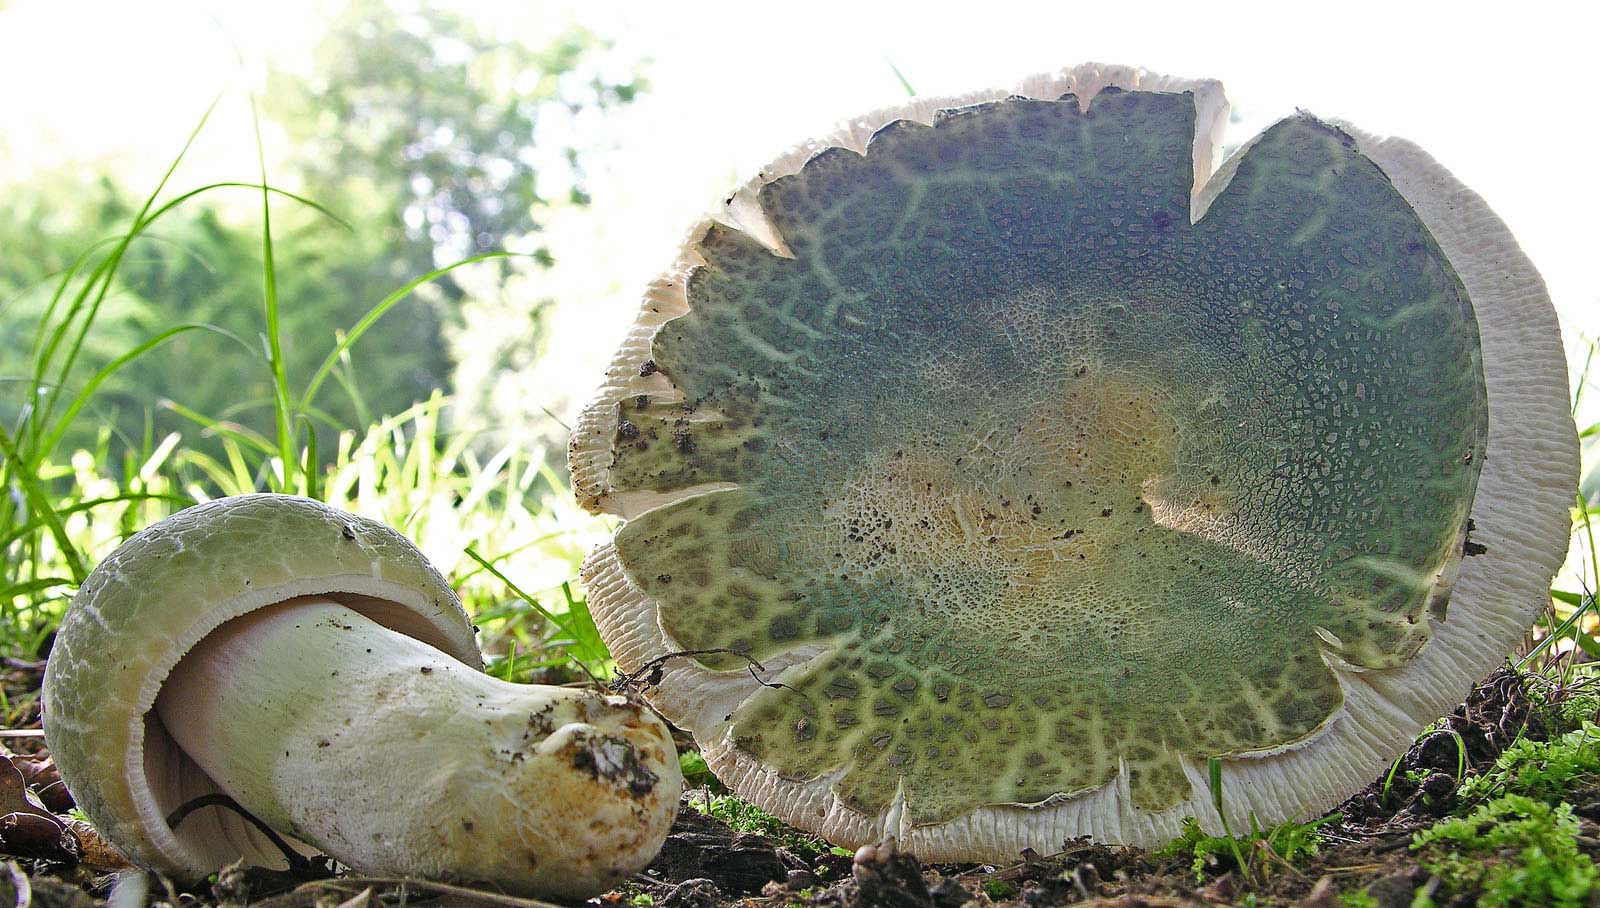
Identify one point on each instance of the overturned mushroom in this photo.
(1037, 464)
(269, 663)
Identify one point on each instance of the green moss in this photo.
(1357, 898)
(999, 890)
(1572, 711)
(1204, 849)
(743, 816)
(1512, 851)
(1544, 770)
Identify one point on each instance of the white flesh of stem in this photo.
(380, 750)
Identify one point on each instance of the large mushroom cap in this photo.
(1036, 464)
(158, 595)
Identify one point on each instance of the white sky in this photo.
(1499, 93)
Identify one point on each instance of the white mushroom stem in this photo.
(395, 758)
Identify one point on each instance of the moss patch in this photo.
(1513, 851)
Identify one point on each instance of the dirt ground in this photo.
(706, 864)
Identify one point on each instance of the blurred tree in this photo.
(448, 139)
(433, 140)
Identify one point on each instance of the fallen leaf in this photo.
(27, 829)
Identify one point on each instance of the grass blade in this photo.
(63, 281)
(260, 187)
(33, 490)
(376, 312)
(102, 276)
(18, 532)
(281, 414)
(230, 430)
(517, 591)
(1558, 632)
(309, 470)
(82, 397)
(901, 78)
(33, 586)
(1583, 377)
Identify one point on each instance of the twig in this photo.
(1354, 868)
(655, 666)
(297, 861)
(1140, 901)
(482, 895)
(1274, 855)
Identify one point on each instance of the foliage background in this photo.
(428, 139)
(582, 137)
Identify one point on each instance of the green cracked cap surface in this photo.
(1056, 481)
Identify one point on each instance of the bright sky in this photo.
(1499, 93)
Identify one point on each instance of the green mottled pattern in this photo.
(1057, 479)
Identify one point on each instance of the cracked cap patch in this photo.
(1050, 484)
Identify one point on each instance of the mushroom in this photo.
(270, 663)
(992, 465)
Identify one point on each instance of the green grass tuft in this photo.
(740, 815)
(499, 524)
(1255, 854)
(1262, 851)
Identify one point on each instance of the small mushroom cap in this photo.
(1036, 462)
(164, 590)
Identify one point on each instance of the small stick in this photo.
(297, 861)
(482, 895)
(655, 666)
